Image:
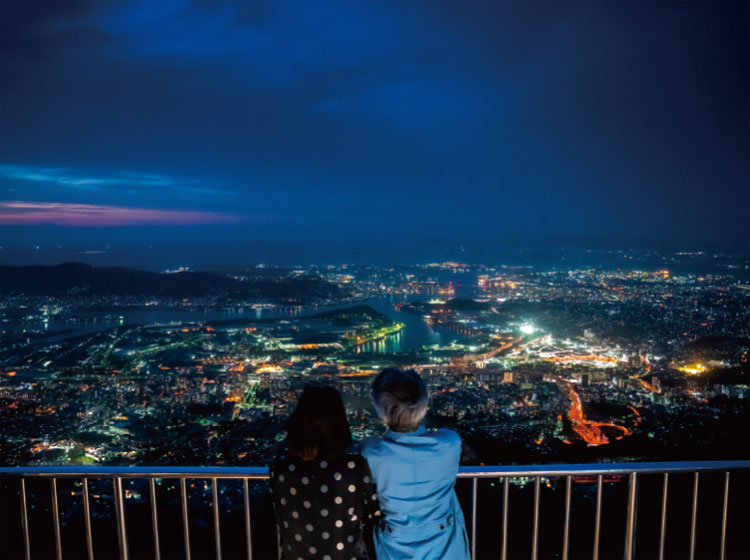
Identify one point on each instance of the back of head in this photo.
(400, 398)
(318, 427)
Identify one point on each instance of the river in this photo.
(416, 333)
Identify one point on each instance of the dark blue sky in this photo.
(208, 128)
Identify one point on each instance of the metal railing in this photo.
(502, 474)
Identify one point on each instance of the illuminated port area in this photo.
(529, 365)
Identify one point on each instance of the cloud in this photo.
(80, 180)
(21, 213)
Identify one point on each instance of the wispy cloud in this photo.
(17, 213)
(80, 180)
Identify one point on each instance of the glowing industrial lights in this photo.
(527, 329)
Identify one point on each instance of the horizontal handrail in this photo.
(627, 472)
(560, 469)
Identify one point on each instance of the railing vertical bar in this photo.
(566, 529)
(598, 517)
(474, 484)
(663, 530)
(185, 527)
(694, 516)
(87, 519)
(630, 527)
(154, 518)
(248, 533)
(724, 511)
(535, 538)
(25, 520)
(56, 518)
(278, 543)
(122, 533)
(506, 489)
(217, 527)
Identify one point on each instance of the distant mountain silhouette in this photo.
(82, 279)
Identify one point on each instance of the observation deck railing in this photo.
(598, 474)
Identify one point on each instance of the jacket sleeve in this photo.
(368, 496)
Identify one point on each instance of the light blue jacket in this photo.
(415, 475)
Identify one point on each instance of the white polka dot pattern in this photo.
(320, 505)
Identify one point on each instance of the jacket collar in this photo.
(390, 434)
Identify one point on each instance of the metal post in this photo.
(248, 533)
(217, 528)
(120, 515)
(534, 542)
(723, 554)
(154, 518)
(694, 516)
(185, 522)
(506, 488)
(474, 484)
(25, 519)
(87, 519)
(566, 529)
(598, 518)
(630, 528)
(663, 531)
(56, 519)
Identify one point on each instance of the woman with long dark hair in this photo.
(322, 496)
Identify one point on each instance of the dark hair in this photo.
(318, 427)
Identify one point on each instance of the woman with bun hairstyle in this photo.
(415, 473)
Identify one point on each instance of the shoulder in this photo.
(356, 463)
(370, 446)
(446, 437)
(281, 465)
(279, 462)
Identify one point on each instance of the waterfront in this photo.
(580, 364)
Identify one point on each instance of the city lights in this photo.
(592, 368)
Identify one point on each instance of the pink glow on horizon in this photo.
(20, 213)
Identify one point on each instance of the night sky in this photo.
(232, 132)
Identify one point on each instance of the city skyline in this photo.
(297, 133)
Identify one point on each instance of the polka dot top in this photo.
(321, 507)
